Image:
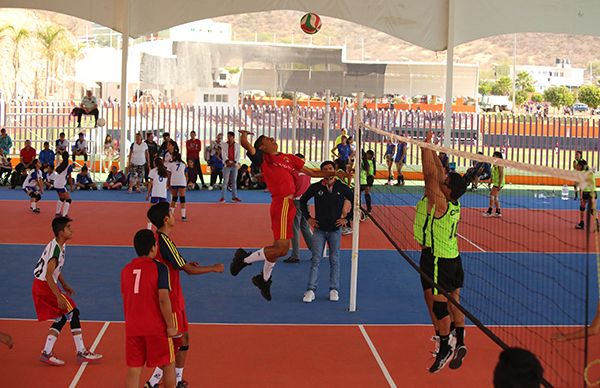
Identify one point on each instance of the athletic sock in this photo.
(444, 346)
(489, 210)
(452, 327)
(255, 256)
(183, 212)
(460, 336)
(267, 270)
(498, 210)
(179, 374)
(149, 226)
(50, 341)
(437, 333)
(78, 339)
(33, 205)
(156, 376)
(58, 207)
(66, 208)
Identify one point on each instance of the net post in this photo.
(325, 151)
(123, 102)
(294, 125)
(356, 210)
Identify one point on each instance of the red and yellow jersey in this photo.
(168, 254)
(280, 173)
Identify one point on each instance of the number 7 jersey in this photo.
(52, 250)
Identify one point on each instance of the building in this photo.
(561, 74)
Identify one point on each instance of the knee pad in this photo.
(174, 199)
(68, 200)
(440, 310)
(73, 317)
(184, 348)
(582, 208)
(59, 323)
(38, 197)
(182, 199)
(62, 199)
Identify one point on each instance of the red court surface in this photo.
(262, 356)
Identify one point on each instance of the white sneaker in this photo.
(436, 340)
(334, 296)
(452, 341)
(51, 359)
(486, 214)
(309, 296)
(210, 188)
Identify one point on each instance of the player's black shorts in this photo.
(426, 265)
(448, 273)
(586, 195)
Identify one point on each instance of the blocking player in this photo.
(498, 181)
(167, 252)
(443, 191)
(149, 325)
(52, 303)
(588, 194)
(178, 183)
(279, 172)
(63, 174)
(33, 185)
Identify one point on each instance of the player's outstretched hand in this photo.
(194, 264)
(7, 340)
(429, 136)
(218, 268)
(245, 132)
(68, 289)
(341, 222)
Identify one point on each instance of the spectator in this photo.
(5, 168)
(367, 176)
(109, 151)
(27, 155)
(231, 155)
(338, 139)
(518, 367)
(84, 180)
(352, 150)
(152, 152)
(330, 215)
(192, 176)
(115, 180)
(61, 145)
(300, 223)
(216, 168)
(578, 157)
(80, 149)
(244, 179)
(163, 150)
(480, 171)
(342, 150)
(138, 160)
(47, 156)
(5, 142)
(88, 106)
(50, 177)
(193, 147)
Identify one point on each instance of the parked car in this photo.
(580, 107)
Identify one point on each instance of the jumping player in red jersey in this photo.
(280, 172)
(167, 252)
(149, 324)
(53, 304)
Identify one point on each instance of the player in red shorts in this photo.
(279, 172)
(167, 252)
(149, 323)
(53, 304)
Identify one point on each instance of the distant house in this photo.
(561, 74)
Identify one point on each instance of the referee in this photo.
(443, 191)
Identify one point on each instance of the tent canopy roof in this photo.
(423, 23)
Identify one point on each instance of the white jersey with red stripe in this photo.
(52, 250)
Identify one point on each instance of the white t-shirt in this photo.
(61, 146)
(81, 145)
(51, 250)
(177, 170)
(138, 153)
(159, 184)
(61, 179)
(31, 182)
(52, 177)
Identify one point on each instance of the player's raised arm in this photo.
(432, 172)
(194, 268)
(244, 142)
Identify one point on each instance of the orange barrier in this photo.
(557, 126)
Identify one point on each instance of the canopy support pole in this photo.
(326, 125)
(124, 108)
(449, 77)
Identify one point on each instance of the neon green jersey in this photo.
(496, 177)
(590, 187)
(421, 226)
(364, 174)
(444, 229)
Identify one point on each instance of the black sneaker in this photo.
(264, 286)
(459, 355)
(441, 360)
(579, 225)
(148, 385)
(182, 384)
(292, 259)
(36, 210)
(237, 263)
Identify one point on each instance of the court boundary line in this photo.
(83, 365)
(377, 357)
(305, 324)
(480, 248)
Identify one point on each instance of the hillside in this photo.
(538, 49)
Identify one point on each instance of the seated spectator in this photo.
(518, 368)
(244, 180)
(46, 156)
(88, 106)
(84, 180)
(49, 177)
(27, 155)
(5, 168)
(258, 182)
(80, 149)
(192, 175)
(61, 145)
(479, 172)
(115, 180)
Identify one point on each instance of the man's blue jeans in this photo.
(300, 225)
(333, 239)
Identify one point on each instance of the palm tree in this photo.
(18, 37)
(49, 36)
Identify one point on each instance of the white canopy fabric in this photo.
(423, 23)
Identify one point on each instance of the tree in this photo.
(502, 87)
(18, 38)
(524, 82)
(521, 97)
(559, 96)
(485, 87)
(537, 97)
(590, 95)
(49, 36)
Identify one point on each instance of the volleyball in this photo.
(310, 23)
(101, 122)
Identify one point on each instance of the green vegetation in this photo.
(590, 95)
(559, 96)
